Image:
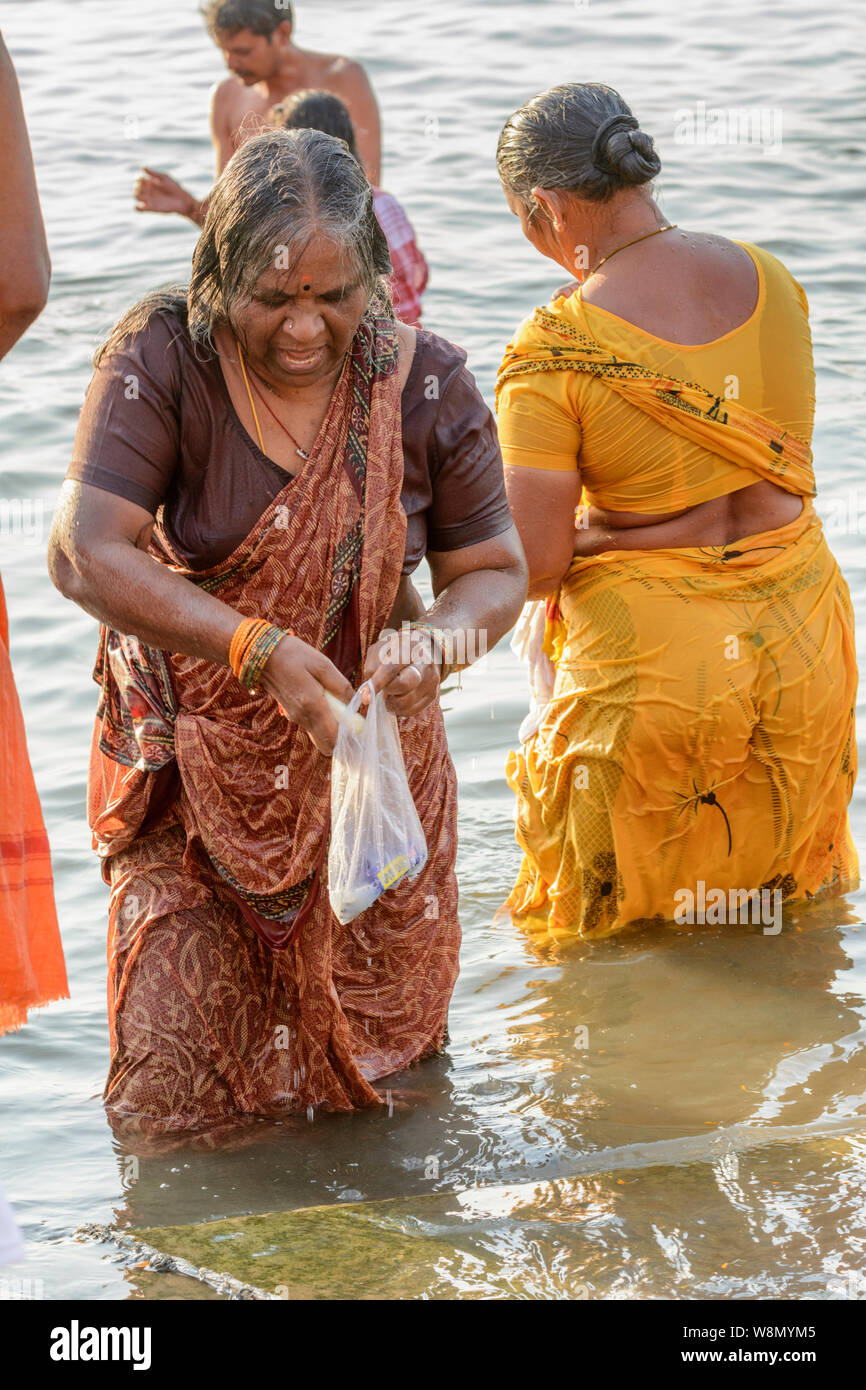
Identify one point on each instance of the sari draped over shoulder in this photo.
(700, 731)
(211, 813)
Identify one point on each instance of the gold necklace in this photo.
(302, 453)
(669, 227)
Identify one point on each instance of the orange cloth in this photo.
(32, 970)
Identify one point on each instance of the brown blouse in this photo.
(158, 427)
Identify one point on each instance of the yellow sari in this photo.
(700, 736)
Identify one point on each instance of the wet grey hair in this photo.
(579, 136)
(279, 192)
(282, 190)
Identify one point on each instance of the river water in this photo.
(675, 1114)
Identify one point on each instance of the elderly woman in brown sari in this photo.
(273, 447)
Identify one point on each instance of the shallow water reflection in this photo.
(648, 1110)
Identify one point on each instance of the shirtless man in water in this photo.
(266, 67)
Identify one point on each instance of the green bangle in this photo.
(256, 658)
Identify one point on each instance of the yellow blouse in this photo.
(629, 462)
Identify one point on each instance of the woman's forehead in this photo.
(321, 265)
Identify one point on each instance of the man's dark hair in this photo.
(309, 110)
(259, 16)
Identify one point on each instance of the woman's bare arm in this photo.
(97, 556)
(479, 588)
(25, 270)
(543, 503)
(479, 592)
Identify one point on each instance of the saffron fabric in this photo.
(701, 724)
(32, 968)
(629, 462)
(233, 991)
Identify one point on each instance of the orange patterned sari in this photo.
(233, 990)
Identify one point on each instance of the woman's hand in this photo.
(405, 666)
(297, 676)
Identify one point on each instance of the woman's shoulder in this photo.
(775, 272)
(435, 363)
(153, 332)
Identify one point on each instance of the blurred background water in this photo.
(704, 1138)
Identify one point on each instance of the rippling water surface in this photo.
(704, 1138)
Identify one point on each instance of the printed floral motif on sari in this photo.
(276, 907)
(137, 702)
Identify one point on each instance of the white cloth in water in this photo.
(527, 644)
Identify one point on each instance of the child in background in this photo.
(323, 111)
(155, 192)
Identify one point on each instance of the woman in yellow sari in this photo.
(697, 748)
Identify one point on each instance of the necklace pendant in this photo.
(302, 453)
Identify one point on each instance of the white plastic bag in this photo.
(376, 836)
(528, 644)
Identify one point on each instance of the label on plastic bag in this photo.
(393, 871)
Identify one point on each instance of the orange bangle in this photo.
(245, 633)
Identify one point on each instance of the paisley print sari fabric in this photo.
(232, 988)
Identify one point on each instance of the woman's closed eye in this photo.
(278, 301)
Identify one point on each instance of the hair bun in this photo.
(599, 153)
(624, 151)
(579, 136)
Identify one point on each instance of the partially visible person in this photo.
(323, 111)
(25, 269)
(409, 271)
(266, 67)
(32, 969)
(11, 1245)
(700, 728)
